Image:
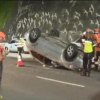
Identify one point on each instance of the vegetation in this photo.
(6, 8)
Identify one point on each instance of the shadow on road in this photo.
(96, 70)
(95, 96)
(64, 68)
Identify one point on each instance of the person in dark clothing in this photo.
(88, 54)
(2, 57)
(20, 48)
(96, 38)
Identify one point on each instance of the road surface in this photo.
(34, 82)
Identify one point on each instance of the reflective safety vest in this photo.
(88, 46)
(98, 38)
(21, 42)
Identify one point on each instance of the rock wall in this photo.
(70, 18)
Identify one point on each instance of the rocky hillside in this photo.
(70, 18)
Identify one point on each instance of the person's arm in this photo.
(94, 37)
(2, 57)
(95, 46)
(82, 44)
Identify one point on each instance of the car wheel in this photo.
(71, 52)
(54, 32)
(34, 34)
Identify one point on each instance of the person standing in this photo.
(87, 54)
(3, 54)
(20, 47)
(96, 38)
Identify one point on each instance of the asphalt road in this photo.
(34, 82)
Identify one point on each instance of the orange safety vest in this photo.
(97, 41)
(98, 38)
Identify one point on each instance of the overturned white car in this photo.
(54, 50)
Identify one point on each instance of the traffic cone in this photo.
(19, 64)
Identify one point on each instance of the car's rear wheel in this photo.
(71, 52)
(34, 34)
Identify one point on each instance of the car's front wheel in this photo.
(71, 52)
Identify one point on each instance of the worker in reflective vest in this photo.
(21, 42)
(20, 48)
(88, 54)
(96, 38)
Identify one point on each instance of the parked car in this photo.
(12, 45)
(55, 51)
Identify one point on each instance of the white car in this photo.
(55, 52)
(12, 45)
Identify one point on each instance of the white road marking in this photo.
(60, 81)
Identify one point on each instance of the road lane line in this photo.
(60, 81)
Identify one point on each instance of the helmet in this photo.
(2, 35)
(88, 31)
(96, 30)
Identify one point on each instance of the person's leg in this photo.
(96, 60)
(84, 65)
(89, 64)
(1, 69)
(20, 51)
(89, 67)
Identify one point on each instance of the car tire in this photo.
(54, 32)
(71, 52)
(34, 35)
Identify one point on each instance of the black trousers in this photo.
(1, 70)
(87, 60)
(20, 49)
